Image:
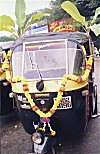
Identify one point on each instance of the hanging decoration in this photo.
(6, 66)
(46, 116)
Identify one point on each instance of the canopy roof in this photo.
(74, 36)
(6, 45)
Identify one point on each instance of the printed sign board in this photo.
(38, 27)
(63, 25)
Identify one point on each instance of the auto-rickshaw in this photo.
(53, 83)
(7, 105)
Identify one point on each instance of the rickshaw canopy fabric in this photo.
(76, 36)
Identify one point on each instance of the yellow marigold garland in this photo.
(35, 108)
(6, 67)
(86, 74)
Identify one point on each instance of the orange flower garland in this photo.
(46, 116)
(55, 105)
(6, 67)
(86, 74)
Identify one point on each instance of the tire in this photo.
(48, 148)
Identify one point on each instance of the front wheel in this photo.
(50, 151)
(45, 148)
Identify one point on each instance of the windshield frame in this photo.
(38, 70)
(56, 40)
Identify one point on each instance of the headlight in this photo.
(5, 83)
(11, 95)
(37, 138)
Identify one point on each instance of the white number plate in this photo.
(65, 103)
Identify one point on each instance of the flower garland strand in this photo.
(84, 77)
(6, 66)
(60, 92)
(56, 103)
(78, 79)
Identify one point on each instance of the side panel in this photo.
(6, 103)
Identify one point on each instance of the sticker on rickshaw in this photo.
(65, 103)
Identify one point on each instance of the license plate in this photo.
(65, 103)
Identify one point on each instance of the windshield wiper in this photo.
(39, 84)
(38, 70)
(35, 64)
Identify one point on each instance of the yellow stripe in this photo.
(41, 95)
(49, 86)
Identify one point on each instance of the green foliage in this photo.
(71, 9)
(6, 39)
(9, 25)
(87, 7)
(56, 12)
(6, 21)
(97, 13)
(33, 19)
(96, 29)
(20, 8)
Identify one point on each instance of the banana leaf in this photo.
(96, 29)
(11, 30)
(35, 18)
(20, 8)
(6, 21)
(71, 9)
(97, 12)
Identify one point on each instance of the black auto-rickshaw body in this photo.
(6, 103)
(43, 59)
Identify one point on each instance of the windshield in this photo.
(48, 59)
